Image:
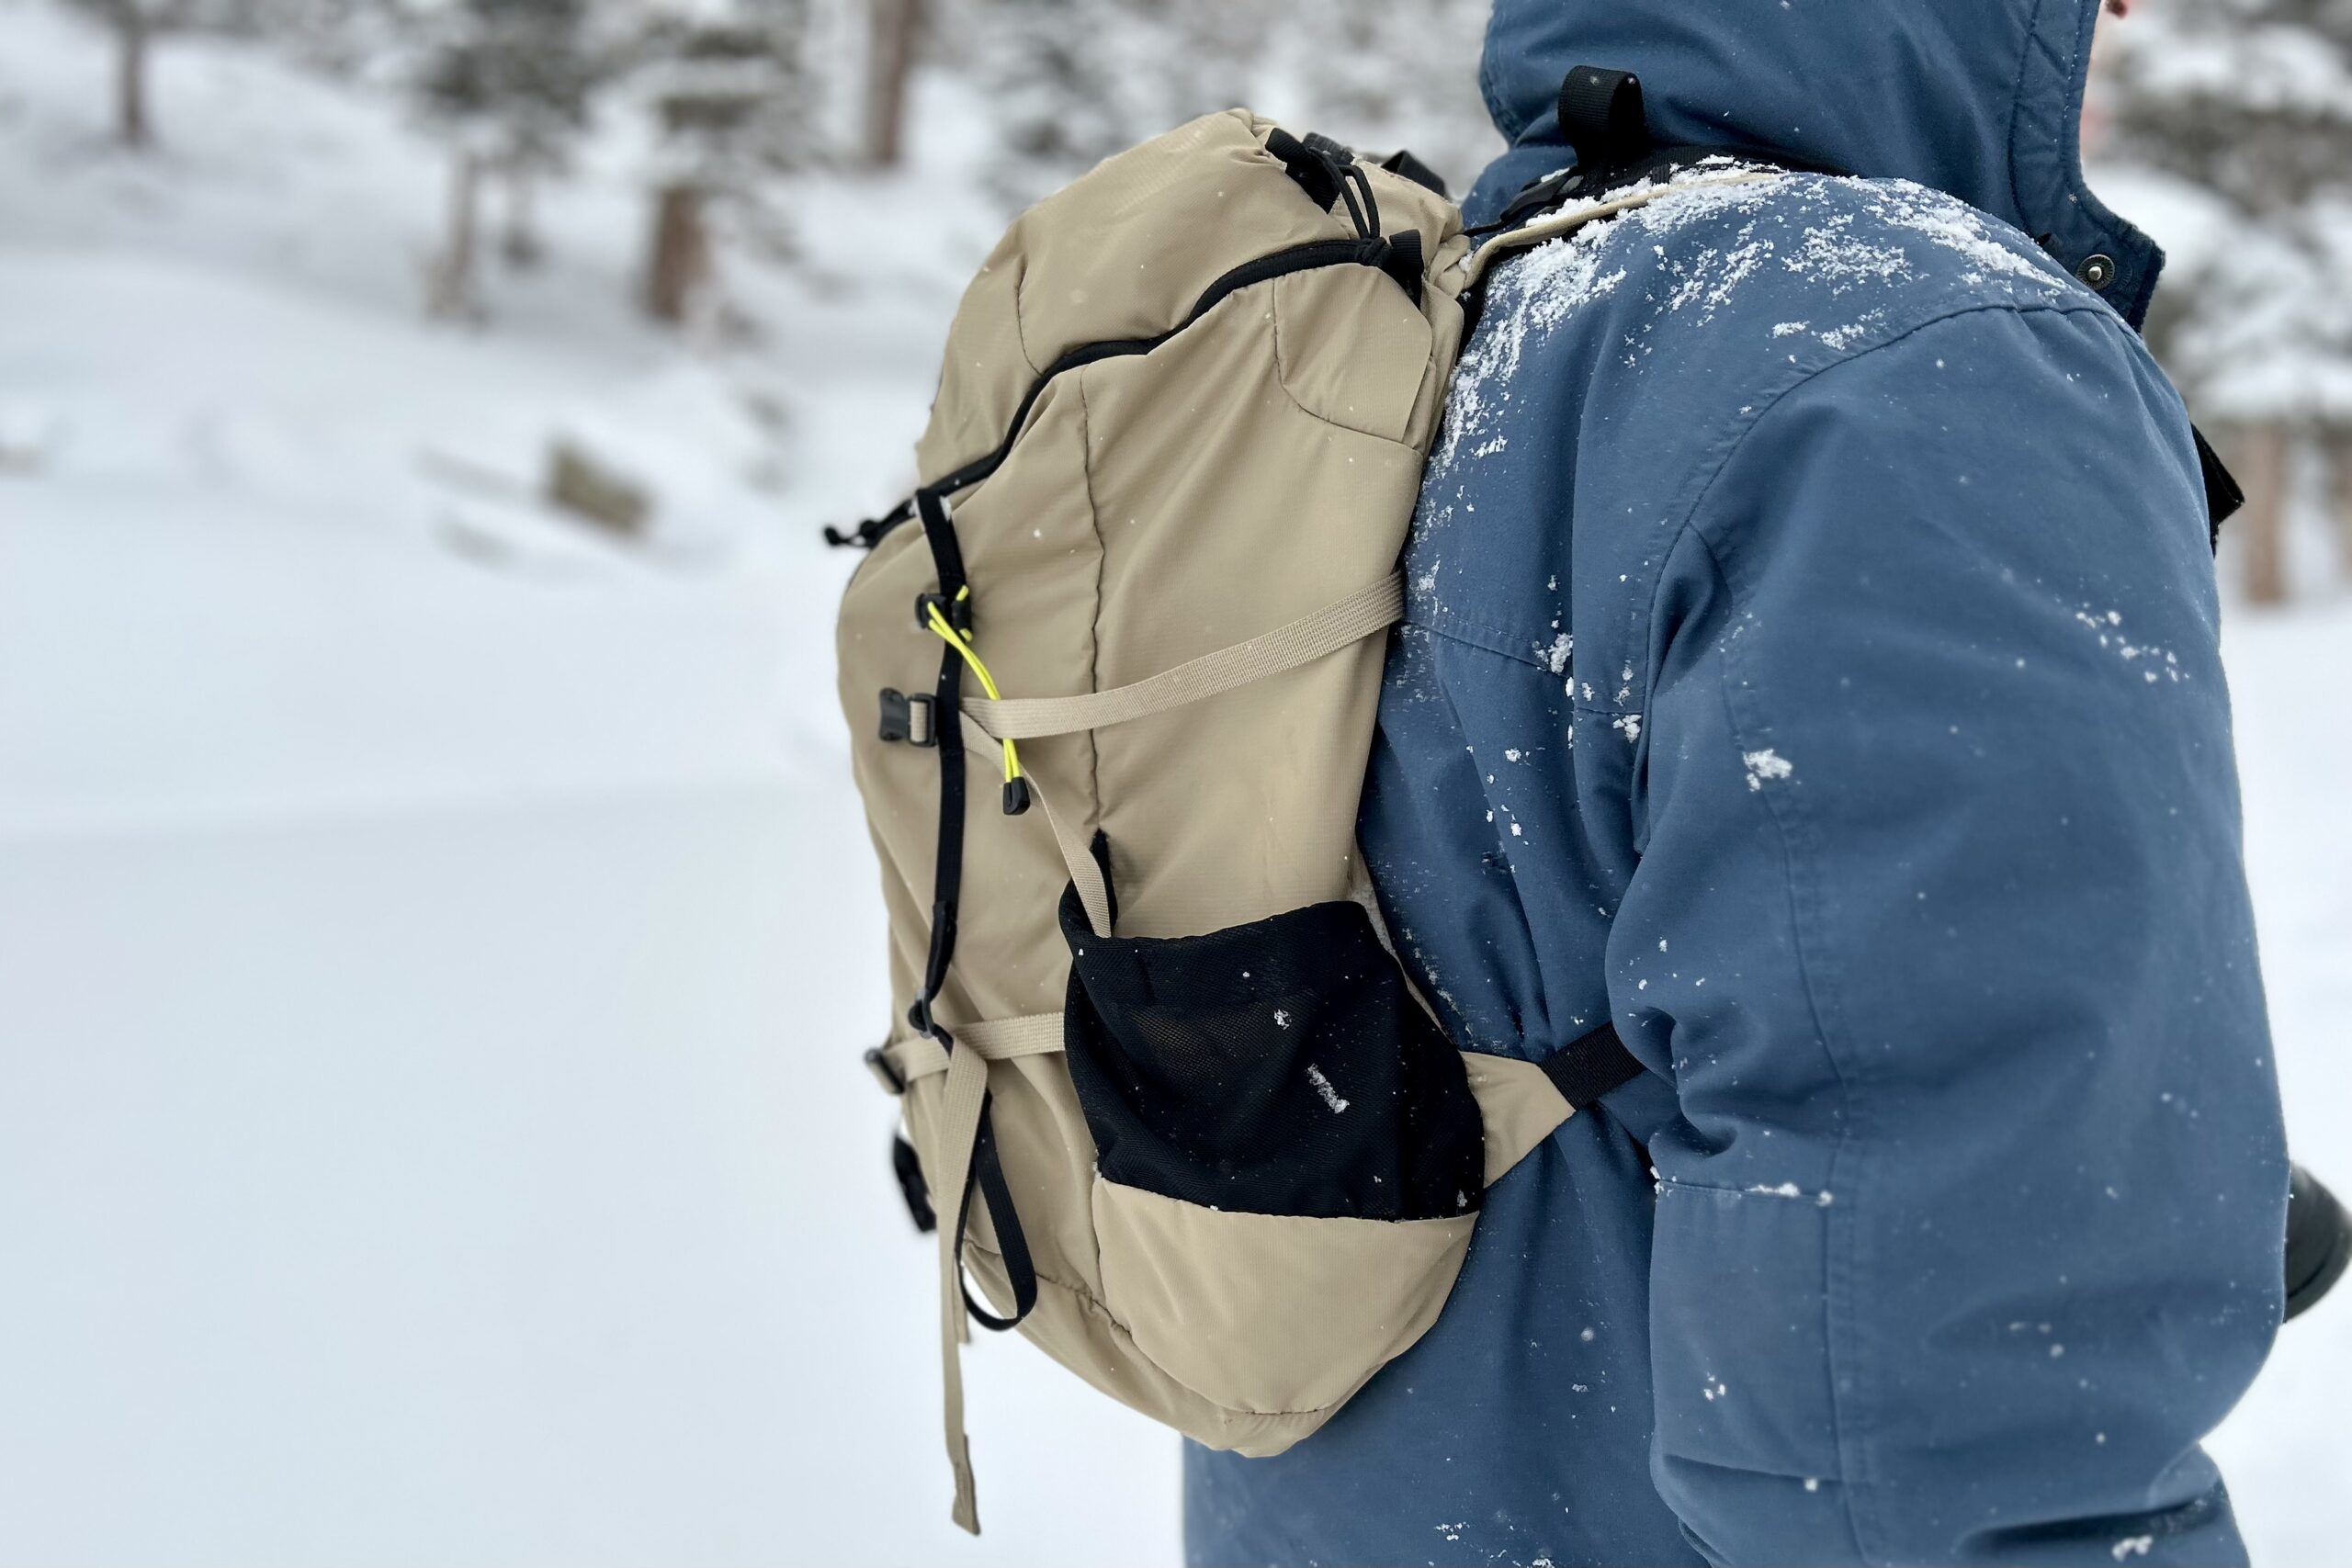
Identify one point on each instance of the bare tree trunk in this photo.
(131, 37)
(2339, 461)
(518, 242)
(889, 60)
(452, 289)
(679, 261)
(2260, 463)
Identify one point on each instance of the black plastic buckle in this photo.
(1403, 164)
(1323, 147)
(909, 716)
(959, 612)
(1546, 190)
(918, 1017)
(908, 1166)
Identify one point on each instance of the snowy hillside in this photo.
(436, 941)
(437, 937)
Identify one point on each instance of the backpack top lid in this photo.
(1125, 252)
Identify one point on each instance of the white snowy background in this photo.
(436, 941)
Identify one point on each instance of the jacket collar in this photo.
(1980, 98)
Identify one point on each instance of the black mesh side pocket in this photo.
(1279, 1067)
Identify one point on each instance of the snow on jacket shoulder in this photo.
(1811, 665)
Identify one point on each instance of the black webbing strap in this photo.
(1012, 1245)
(1328, 172)
(987, 1175)
(947, 870)
(1590, 1065)
(2223, 496)
(1400, 258)
(1314, 173)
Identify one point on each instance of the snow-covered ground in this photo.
(436, 942)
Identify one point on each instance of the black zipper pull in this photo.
(868, 534)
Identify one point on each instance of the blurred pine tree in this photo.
(2250, 102)
(506, 83)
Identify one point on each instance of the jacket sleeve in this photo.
(1970, 1229)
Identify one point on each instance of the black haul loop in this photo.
(1600, 117)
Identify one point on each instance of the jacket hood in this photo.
(1980, 98)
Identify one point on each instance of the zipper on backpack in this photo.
(1394, 254)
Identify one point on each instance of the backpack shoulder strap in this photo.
(1567, 220)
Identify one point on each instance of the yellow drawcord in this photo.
(962, 643)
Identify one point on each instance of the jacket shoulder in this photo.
(1754, 269)
(1711, 292)
(1614, 372)
(1785, 265)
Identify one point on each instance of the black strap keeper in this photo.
(1400, 258)
(1600, 117)
(1590, 1065)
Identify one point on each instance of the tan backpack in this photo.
(1226, 1163)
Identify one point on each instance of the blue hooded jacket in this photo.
(1811, 666)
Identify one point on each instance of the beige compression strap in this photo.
(999, 1040)
(961, 1101)
(1303, 641)
(1093, 893)
(959, 1127)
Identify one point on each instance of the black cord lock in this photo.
(959, 612)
